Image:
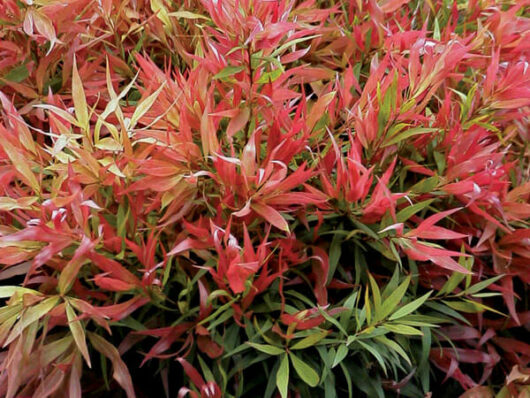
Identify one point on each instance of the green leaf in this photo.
(451, 284)
(348, 378)
(393, 300)
(208, 375)
(342, 351)
(18, 74)
(282, 376)
(477, 287)
(485, 295)
(271, 382)
(424, 358)
(269, 77)
(407, 212)
(393, 283)
(310, 340)
(471, 307)
(332, 320)
(394, 346)
(410, 307)
(375, 354)
(376, 294)
(402, 329)
(291, 43)
(345, 316)
(335, 251)
(436, 33)
(267, 349)
(465, 306)
(425, 185)
(306, 372)
(228, 71)
(409, 133)
(485, 307)
(363, 227)
(440, 160)
(444, 309)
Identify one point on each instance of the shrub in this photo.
(220, 198)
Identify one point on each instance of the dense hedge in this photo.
(269, 198)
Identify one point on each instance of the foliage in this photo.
(281, 198)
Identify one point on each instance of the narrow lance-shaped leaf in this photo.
(270, 215)
(376, 294)
(375, 354)
(402, 329)
(32, 314)
(8, 291)
(267, 349)
(306, 372)
(120, 372)
(477, 287)
(393, 300)
(144, 106)
(410, 307)
(78, 332)
(21, 164)
(282, 376)
(79, 98)
(342, 351)
(310, 340)
(68, 274)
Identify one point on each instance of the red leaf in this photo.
(120, 372)
(320, 270)
(210, 347)
(270, 215)
(192, 373)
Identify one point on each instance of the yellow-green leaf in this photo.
(78, 332)
(144, 106)
(306, 372)
(310, 340)
(79, 98)
(282, 376)
(402, 329)
(21, 165)
(8, 291)
(393, 300)
(228, 71)
(9, 204)
(109, 144)
(32, 314)
(68, 274)
(410, 307)
(187, 15)
(342, 351)
(409, 133)
(267, 349)
(161, 12)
